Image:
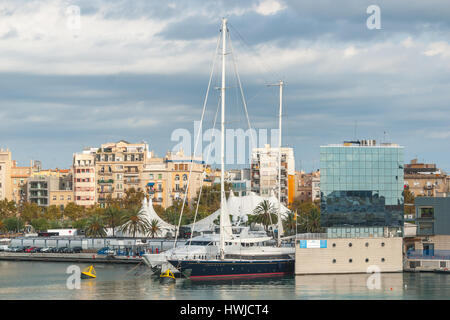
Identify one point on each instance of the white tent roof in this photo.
(238, 207)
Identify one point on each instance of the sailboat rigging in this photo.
(237, 258)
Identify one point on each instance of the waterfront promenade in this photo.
(69, 257)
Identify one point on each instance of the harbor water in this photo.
(48, 280)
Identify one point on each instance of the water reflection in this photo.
(46, 280)
(348, 286)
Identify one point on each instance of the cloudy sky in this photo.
(137, 70)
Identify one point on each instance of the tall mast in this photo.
(222, 154)
(279, 163)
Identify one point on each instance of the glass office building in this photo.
(361, 187)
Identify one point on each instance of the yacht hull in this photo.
(214, 269)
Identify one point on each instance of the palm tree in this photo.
(134, 221)
(113, 216)
(95, 227)
(154, 228)
(310, 221)
(289, 223)
(265, 213)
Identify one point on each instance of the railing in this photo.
(106, 181)
(429, 254)
(308, 236)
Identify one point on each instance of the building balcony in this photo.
(136, 181)
(105, 191)
(105, 173)
(106, 181)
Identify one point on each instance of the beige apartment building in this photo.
(60, 198)
(84, 183)
(5, 174)
(19, 179)
(424, 179)
(118, 167)
(307, 186)
(264, 172)
(166, 178)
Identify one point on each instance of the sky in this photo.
(138, 70)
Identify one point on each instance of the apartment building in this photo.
(118, 167)
(425, 179)
(239, 180)
(307, 186)
(84, 178)
(166, 179)
(19, 179)
(264, 172)
(5, 174)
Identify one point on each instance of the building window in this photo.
(177, 177)
(367, 260)
(382, 260)
(184, 177)
(350, 260)
(350, 244)
(334, 260)
(334, 245)
(426, 212)
(382, 244)
(367, 244)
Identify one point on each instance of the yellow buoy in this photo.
(167, 276)
(88, 273)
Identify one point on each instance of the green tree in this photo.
(290, 224)
(29, 211)
(95, 227)
(3, 227)
(73, 211)
(264, 213)
(154, 228)
(53, 212)
(113, 217)
(54, 224)
(40, 224)
(14, 224)
(81, 224)
(134, 221)
(309, 221)
(7, 209)
(409, 198)
(210, 197)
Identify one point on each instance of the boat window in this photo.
(199, 243)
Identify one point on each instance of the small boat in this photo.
(88, 273)
(442, 270)
(167, 277)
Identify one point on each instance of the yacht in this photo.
(225, 255)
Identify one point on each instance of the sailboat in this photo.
(236, 258)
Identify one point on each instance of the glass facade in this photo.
(361, 186)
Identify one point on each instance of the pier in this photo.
(69, 257)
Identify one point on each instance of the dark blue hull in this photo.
(204, 269)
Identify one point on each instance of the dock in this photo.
(69, 257)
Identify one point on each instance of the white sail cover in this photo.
(150, 214)
(238, 207)
(147, 207)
